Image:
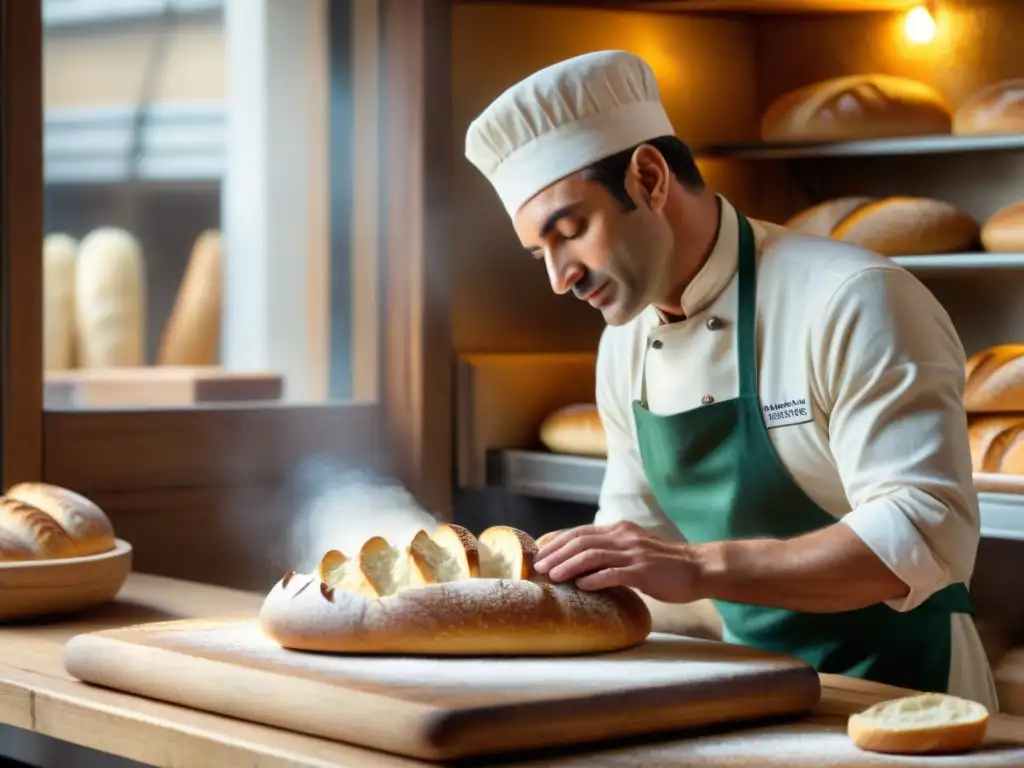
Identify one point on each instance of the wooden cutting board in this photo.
(440, 709)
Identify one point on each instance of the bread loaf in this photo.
(59, 261)
(191, 335)
(997, 444)
(575, 429)
(857, 107)
(1003, 232)
(891, 226)
(110, 300)
(86, 524)
(378, 603)
(927, 723)
(39, 521)
(995, 380)
(996, 108)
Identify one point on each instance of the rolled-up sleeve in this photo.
(892, 368)
(625, 492)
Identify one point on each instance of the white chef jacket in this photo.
(885, 449)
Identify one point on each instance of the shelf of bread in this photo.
(170, 142)
(70, 13)
(880, 114)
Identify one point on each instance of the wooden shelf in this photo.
(913, 145)
(578, 479)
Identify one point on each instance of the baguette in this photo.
(360, 605)
(995, 380)
(575, 429)
(86, 524)
(891, 226)
(1003, 232)
(996, 108)
(857, 107)
(928, 723)
(110, 301)
(191, 335)
(59, 254)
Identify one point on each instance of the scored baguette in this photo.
(928, 723)
(995, 380)
(373, 604)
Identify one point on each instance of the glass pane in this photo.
(202, 241)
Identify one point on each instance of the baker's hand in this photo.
(621, 555)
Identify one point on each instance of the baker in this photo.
(786, 433)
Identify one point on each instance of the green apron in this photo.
(714, 472)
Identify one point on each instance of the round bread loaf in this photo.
(372, 604)
(927, 723)
(1003, 232)
(891, 226)
(85, 523)
(35, 530)
(996, 108)
(995, 380)
(575, 429)
(857, 107)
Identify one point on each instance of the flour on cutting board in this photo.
(793, 746)
(663, 661)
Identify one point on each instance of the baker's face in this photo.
(613, 259)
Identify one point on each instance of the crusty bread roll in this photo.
(995, 380)
(35, 530)
(13, 549)
(191, 335)
(927, 723)
(997, 444)
(362, 607)
(857, 107)
(891, 226)
(110, 301)
(575, 429)
(1003, 232)
(59, 261)
(996, 108)
(86, 524)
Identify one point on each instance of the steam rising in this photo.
(341, 507)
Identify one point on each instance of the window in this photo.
(234, 269)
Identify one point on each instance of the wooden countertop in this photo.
(36, 694)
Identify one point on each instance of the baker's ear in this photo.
(648, 178)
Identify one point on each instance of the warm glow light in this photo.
(919, 25)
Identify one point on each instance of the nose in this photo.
(562, 275)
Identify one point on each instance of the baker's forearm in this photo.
(825, 571)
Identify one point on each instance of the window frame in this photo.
(165, 459)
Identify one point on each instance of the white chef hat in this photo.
(562, 119)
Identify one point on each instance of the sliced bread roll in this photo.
(996, 108)
(87, 525)
(347, 607)
(929, 723)
(35, 530)
(575, 429)
(995, 380)
(857, 107)
(1003, 231)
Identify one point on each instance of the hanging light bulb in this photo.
(919, 25)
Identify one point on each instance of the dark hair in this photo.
(610, 172)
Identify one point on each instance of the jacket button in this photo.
(714, 323)
(657, 344)
(707, 399)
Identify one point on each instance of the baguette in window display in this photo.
(447, 593)
(39, 521)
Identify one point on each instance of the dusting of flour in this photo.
(663, 662)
